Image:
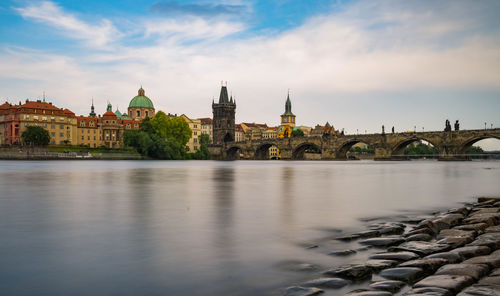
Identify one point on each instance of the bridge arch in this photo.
(233, 153)
(341, 153)
(262, 151)
(300, 150)
(398, 148)
(471, 141)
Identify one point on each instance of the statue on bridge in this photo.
(457, 126)
(393, 130)
(447, 127)
(383, 130)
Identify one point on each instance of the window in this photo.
(195, 140)
(61, 126)
(53, 134)
(44, 118)
(138, 113)
(88, 138)
(53, 126)
(82, 123)
(61, 119)
(147, 113)
(195, 133)
(88, 131)
(44, 125)
(61, 134)
(83, 138)
(26, 117)
(26, 124)
(94, 138)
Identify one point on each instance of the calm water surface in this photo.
(203, 228)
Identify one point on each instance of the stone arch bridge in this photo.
(451, 145)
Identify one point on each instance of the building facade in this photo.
(195, 125)
(223, 126)
(206, 128)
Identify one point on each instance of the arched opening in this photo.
(307, 151)
(233, 153)
(415, 148)
(481, 148)
(355, 150)
(274, 152)
(262, 152)
(228, 138)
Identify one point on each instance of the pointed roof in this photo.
(288, 106)
(223, 97)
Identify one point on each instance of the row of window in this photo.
(43, 118)
(52, 126)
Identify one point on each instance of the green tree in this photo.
(474, 150)
(297, 133)
(36, 135)
(146, 125)
(203, 153)
(420, 149)
(171, 128)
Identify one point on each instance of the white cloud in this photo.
(368, 50)
(48, 12)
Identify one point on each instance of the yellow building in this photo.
(195, 126)
(89, 132)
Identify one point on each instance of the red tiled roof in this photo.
(206, 120)
(109, 115)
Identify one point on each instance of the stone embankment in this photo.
(452, 253)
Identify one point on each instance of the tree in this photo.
(171, 128)
(297, 133)
(36, 135)
(474, 150)
(203, 153)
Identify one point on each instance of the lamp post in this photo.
(357, 132)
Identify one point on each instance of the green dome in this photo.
(141, 101)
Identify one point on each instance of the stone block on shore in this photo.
(389, 285)
(332, 283)
(399, 256)
(363, 292)
(471, 251)
(382, 241)
(478, 227)
(476, 271)
(491, 240)
(301, 291)
(428, 291)
(379, 264)
(478, 290)
(421, 248)
(490, 260)
(405, 274)
(427, 264)
(419, 237)
(490, 229)
(454, 283)
(352, 272)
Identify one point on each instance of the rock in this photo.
(454, 283)
(428, 224)
(421, 248)
(449, 256)
(488, 200)
(388, 228)
(489, 218)
(477, 290)
(347, 237)
(456, 232)
(352, 271)
(390, 286)
(419, 237)
(368, 233)
(471, 251)
(428, 291)
(363, 292)
(478, 227)
(475, 271)
(427, 264)
(463, 210)
(490, 281)
(491, 240)
(405, 274)
(332, 283)
(490, 260)
(454, 241)
(420, 231)
(484, 211)
(382, 241)
(447, 220)
(492, 229)
(379, 264)
(399, 256)
(495, 272)
(301, 291)
(342, 253)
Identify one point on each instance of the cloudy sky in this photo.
(356, 64)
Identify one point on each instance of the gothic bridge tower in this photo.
(223, 118)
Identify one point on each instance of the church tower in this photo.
(288, 118)
(223, 118)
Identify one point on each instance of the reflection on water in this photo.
(202, 228)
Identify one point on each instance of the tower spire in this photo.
(92, 113)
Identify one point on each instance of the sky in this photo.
(356, 64)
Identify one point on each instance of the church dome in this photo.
(141, 101)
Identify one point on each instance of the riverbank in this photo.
(455, 252)
(67, 152)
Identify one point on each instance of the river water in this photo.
(203, 227)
